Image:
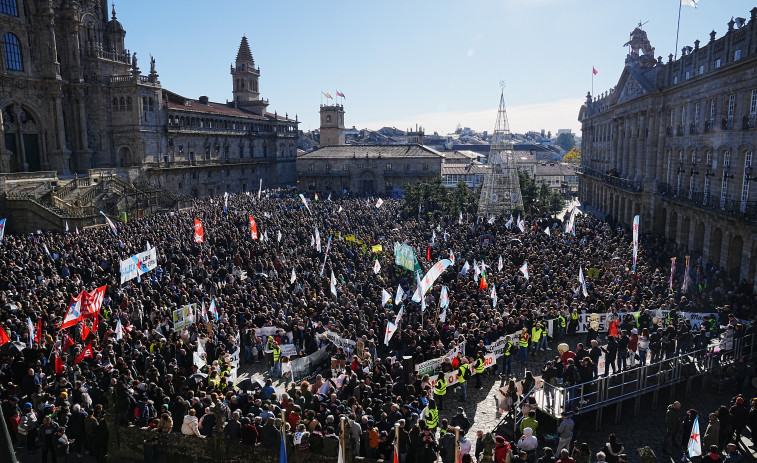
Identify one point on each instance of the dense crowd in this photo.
(149, 375)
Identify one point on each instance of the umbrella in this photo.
(516, 240)
(249, 384)
(197, 378)
(12, 348)
(10, 307)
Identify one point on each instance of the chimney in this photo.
(204, 99)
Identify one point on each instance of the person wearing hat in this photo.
(502, 450)
(27, 425)
(564, 431)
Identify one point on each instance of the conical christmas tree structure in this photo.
(500, 193)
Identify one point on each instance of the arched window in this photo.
(128, 104)
(122, 106)
(12, 47)
(115, 104)
(9, 7)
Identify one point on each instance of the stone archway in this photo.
(367, 182)
(685, 230)
(698, 245)
(716, 244)
(123, 158)
(22, 138)
(733, 263)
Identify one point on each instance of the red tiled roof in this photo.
(224, 110)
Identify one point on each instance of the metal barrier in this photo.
(635, 382)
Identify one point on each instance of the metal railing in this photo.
(641, 380)
(612, 180)
(745, 210)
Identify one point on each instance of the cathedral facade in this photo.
(674, 143)
(74, 99)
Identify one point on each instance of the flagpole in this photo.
(397, 440)
(592, 81)
(678, 28)
(343, 440)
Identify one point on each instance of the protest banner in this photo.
(138, 264)
(404, 256)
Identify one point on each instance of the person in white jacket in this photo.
(190, 425)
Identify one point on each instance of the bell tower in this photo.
(245, 80)
(332, 125)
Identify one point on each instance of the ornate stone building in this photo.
(73, 98)
(674, 142)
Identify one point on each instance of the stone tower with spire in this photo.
(245, 80)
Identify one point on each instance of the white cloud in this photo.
(559, 114)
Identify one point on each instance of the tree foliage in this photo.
(433, 196)
(566, 141)
(574, 155)
(539, 199)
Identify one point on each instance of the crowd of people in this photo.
(142, 371)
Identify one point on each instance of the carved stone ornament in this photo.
(632, 89)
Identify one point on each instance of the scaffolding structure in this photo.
(500, 193)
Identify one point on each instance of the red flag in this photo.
(58, 364)
(84, 331)
(594, 70)
(86, 353)
(67, 342)
(253, 228)
(91, 302)
(95, 323)
(395, 456)
(3, 336)
(199, 232)
(38, 333)
(482, 285)
(428, 253)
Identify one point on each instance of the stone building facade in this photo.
(674, 143)
(73, 98)
(367, 169)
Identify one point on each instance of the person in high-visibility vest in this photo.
(479, 367)
(440, 389)
(507, 356)
(573, 323)
(462, 373)
(431, 416)
(276, 360)
(535, 337)
(523, 338)
(562, 323)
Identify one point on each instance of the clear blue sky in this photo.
(401, 63)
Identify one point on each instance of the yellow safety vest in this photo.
(574, 316)
(432, 420)
(276, 354)
(523, 340)
(440, 388)
(508, 348)
(461, 375)
(535, 335)
(561, 319)
(479, 366)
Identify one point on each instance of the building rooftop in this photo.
(373, 152)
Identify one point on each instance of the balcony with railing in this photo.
(744, 210)
(748, 121)
(612, 178)
(726, 123)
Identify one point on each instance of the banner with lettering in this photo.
(404, 256)
(138, 264)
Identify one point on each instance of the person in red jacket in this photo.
(501, 450)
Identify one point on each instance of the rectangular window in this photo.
(737, 55)
(696, 114)
(388, 167)
(425, 166)
(723, 190)
(328, 167)
(688, 75)
(701, 69)
(311, 167)
(712, 110)
(683, 115)
(753, 103)
(359, 165)
(346, 166)
(718, 62)
(731, 105)
(9, 7)
(727, 159)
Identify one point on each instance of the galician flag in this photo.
(501, 264)
(400, 294)
(582, 280)
(695, 441)
(30, 326)
(379, 202)
(390, 329)
(376, 267)
(444, 298)
(119, 330)
(333, 283)
(509, 223)
(524, 270)
(317, 240)
(212, 308)
(546, 230)
(466, 267)
(293, 278)
(493, 295)
(385, 296)
(693, 4)
(278, 236)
